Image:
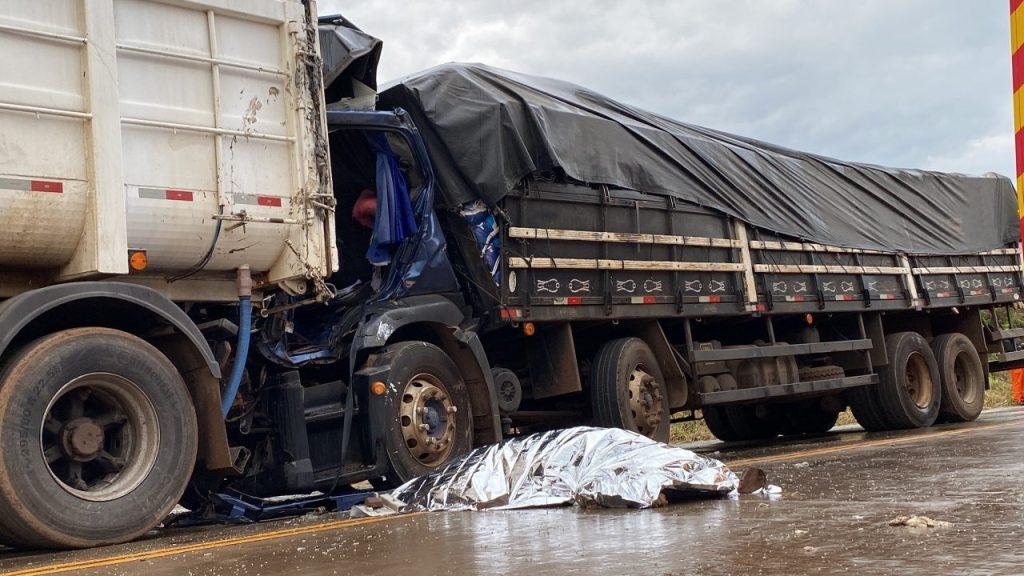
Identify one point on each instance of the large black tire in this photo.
(806, 417)
(864, 403)
(962, 378)
(718, 422)
(423, 376)
(748, 425)
(628, 391)
(909, 390)
(120, 435)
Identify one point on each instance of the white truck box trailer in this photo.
(168, 142)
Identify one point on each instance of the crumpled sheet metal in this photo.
(587, 466)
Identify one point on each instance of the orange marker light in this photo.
(378, 388)
(529, 329)
(810, 319)
(137, 260)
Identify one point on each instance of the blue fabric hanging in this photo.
(394, 221)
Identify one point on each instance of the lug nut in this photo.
(453, 409)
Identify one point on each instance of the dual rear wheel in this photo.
(922, 383)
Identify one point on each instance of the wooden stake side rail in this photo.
(741, 261)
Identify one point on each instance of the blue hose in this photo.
(241, 354)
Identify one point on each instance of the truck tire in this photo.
(627, 389)
(864, 403)
(718, 423)
(97, 439)
(432, 421)
(807, 416)
(962, 378)
(909, 391)
(749, 425)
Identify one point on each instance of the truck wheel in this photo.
(909, 392)
(749, 424)
(864, 404)
(807, 416)
(628, 391)
(718, 422)
(432, 419)
(97, 437)
(962, 378)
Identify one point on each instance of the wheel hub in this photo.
(428, 419)
(82, 439)
(646, 401)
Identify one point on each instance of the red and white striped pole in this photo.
(1017, 59)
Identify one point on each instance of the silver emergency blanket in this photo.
(587, 466)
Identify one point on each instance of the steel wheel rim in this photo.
(99, 436)
(918, 381)
(427, 417)
(962, 380)
(646, 402)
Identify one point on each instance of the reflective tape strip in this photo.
(254, 200)
(166, 194)
(568, 301)
(642, 300)
(886, 296)
(54, 186)
(709, 299)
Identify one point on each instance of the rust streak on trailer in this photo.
(65, 567)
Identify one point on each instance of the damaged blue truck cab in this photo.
(336, 403)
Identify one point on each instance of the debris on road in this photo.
(919, 522)
(606, 467)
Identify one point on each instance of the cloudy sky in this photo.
(909, 83)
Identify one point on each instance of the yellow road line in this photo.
(867, 444)
(199, 546)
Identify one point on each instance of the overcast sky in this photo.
(908, 83)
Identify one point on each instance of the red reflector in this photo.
(183, 195)
(269, 201)
(649, 300)
(510, 313)
(46, 186)
(761, 307)
(574, 300)
(714, 299)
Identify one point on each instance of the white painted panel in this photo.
(162, 158)
(253, 102)
(41, 146)
(155, 88)
(260, 167)
(249, 42)
(59, 16)
(161, 26)
(40, 72)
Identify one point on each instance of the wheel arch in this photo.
(437, 320)
(137, 310)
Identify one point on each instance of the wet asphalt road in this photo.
(839, 492)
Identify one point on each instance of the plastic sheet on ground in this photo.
(586, 466)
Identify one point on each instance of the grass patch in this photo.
(997, 395)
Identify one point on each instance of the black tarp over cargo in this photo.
(489, 128)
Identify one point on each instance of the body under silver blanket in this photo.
(586, 466)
